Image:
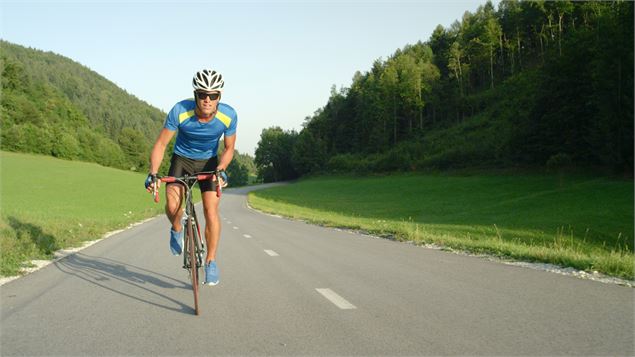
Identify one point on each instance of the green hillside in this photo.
(54, 106)
(529, 84)
(49, 204)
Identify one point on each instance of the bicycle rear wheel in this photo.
(192, 266)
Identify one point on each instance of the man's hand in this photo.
(151, 182)
(222, 176)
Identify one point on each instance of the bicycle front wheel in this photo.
(193, 266)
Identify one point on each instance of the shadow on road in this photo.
(138, 283)
(45, 243)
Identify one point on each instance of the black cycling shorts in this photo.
(180, 166)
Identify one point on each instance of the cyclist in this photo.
(200, 123)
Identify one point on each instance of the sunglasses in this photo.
(203, 95)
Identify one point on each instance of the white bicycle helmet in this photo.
(208, 80)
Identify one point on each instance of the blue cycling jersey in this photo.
(196, 140)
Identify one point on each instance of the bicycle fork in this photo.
(199, 246)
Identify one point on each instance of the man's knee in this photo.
(211, 212)
(171, 209)
(210, 209)
(173, 200)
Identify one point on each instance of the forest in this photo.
(52, 105)
(532, 84)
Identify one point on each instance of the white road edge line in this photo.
(333, 297)
(271, 253)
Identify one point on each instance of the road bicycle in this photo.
(194, 244)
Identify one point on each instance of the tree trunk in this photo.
(460, 78)
(456, 74)
(491, 65)
(620, 138)
(560, 34)
(420, 109)
(550, 27)
(385, 127)
(500, 46)
(394, 106)
(520, 60)
(619, 86)
(542, 49)
(434, 116)
(512, 63)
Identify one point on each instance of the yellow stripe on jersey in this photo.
(185, 116)
(224, 118)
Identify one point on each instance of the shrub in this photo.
(558, 162)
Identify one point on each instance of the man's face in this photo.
(207, 101)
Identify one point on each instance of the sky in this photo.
(279, 59)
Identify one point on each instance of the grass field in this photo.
(48, 204)
(580, 222)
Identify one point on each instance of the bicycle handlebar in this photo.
(199, 176)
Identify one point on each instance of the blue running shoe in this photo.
(176, 242)
(211, 273)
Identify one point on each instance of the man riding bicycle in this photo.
(200, 122)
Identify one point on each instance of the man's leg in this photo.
(212, 223)
(174, 198)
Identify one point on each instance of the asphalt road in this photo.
(289, 288)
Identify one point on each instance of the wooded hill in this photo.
(531, 84)
(52, 105)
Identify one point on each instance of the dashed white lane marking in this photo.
(235, 227)
(229, 222)
(271, 253)
(246, 236)
(333, 297)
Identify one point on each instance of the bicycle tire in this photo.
(193, 266)
(200, 242)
